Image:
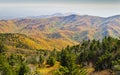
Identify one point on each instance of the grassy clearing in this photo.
(48, 70)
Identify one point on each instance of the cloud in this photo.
(83, 7)
(36, 9)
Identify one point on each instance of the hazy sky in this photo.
(22, 8)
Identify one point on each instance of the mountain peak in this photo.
(57, 14)
(116, 16)
(73, 15)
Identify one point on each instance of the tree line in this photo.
(98, 54)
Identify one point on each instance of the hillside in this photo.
(16, 40)
(72, 60)
(19, 41)
(58, 32)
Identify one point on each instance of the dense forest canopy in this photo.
(73, 60)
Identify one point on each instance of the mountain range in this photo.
(59, 31)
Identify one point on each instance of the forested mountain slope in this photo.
(63, 30)
(88, 58)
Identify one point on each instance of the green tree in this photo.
(23, 69)
(51, 61)
(5, 68)
(3, 48)
(41, 60)
(68, 61)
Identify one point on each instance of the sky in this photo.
(23, 8)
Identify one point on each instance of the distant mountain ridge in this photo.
(69, 29)
(33, 17)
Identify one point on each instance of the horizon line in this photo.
(60, 16)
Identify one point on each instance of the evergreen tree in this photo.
(51, 61)
(3, 48)
(41, 60)
(23, 69)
